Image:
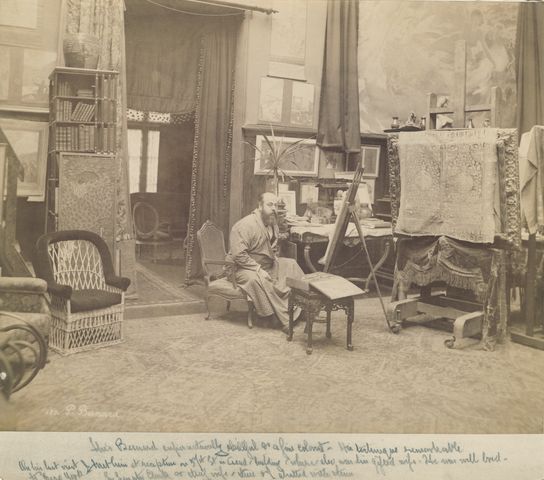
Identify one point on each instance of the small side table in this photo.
(312, 302)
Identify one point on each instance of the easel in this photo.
(348, 212)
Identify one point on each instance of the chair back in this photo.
(212, 247)
(75, 258)
(145, 220)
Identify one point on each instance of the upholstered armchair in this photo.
(24, 330)
(87, 297)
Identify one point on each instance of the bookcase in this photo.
(83, 124)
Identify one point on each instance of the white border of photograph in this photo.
(373, 170)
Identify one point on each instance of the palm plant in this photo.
(276, 155)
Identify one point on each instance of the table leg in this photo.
(309, 323)
(307, 258)
(291, 309)
(351, 314)
(379, 264)
(328, 334)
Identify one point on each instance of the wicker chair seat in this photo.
(224, 288)
(93, 299)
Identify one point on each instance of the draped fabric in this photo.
(162, 62)
(105, 19)
(530, 66)
(338, 129)
(449, 184)
(211, 168)
(424, 260)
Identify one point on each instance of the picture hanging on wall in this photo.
(371, 160)
(302, 161)
(29, 142)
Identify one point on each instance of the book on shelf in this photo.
(332, 286)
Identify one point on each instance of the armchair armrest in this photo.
(59, 290)
(118, 282)
(27, 285)
(229, 274)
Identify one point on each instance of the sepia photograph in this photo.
(271, 239)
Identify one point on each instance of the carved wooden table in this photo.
(312, 303)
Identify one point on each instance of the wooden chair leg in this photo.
(207, 302)
(250, 309)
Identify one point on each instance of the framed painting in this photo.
(302, 161)
(290, 200)
(29, 142)
(370, 155)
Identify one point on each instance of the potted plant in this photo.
(276, 155)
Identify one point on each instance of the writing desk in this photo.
(379, 240)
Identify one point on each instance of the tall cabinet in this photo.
(82, 165)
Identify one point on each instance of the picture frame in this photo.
(370, 156)
(303, 162)
(29, 141)
(290, 199)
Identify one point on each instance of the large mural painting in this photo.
(406, 50)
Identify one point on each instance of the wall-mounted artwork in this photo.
(302, 104)
(290, 200)
(19, 13)
(29, 45)
(37, 66)
(271, 99)
(370, 155)
(401, 64)
(29, 141)
(302, 162)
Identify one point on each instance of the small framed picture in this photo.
(290, 200)
(370, 155)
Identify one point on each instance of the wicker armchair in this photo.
(220, 282)
(87, 298)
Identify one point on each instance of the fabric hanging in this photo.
(338, 129)
(448, 183)
(530, 66)
(105, 19)
(211, 166)
(162, 62)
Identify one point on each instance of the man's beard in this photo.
(268, 219)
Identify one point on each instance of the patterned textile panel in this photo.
(452, 191)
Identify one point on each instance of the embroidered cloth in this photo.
(424, 260)
(448, 183)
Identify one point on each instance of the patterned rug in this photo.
(153, 288)
(183, 373)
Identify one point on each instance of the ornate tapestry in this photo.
(448, 184)
(87, 194)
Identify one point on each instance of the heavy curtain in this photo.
(530, 66)
(162, 62)
(338, 128)
(530, 85)
(211, 166)
(105, 19)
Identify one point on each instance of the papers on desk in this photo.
(375, 223)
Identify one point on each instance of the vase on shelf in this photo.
(81, 50)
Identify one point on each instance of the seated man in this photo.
(258, 269)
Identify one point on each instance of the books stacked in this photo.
(64, 110)
(85, 93)
(79, 138)
(84, 112)
(64, 89)
(108, 139)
